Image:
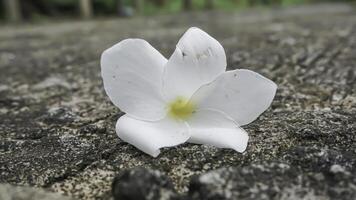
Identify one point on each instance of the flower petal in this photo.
(132, 74)
(197, 60)
(149, 137)
(217, 129)
(241, 94)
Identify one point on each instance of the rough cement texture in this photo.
(57, 124)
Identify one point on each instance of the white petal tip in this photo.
(155, 153)
(241, 146)
(241, 149)
(195, 29)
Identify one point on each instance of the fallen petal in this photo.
(149, 137)
(242, 94)
(217, 129)
(132, 75)
(197, 60)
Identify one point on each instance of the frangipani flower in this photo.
(188, 98)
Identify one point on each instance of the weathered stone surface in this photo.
(322, 174)
(301, 173)
(57, 124)
(9, 192)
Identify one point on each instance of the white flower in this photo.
(189, 97)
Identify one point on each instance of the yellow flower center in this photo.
(181, 108)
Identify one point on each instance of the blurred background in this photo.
(40, 10)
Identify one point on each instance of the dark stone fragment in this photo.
(318, 159)
(142, 184)
(273, 180)
(58, 115)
